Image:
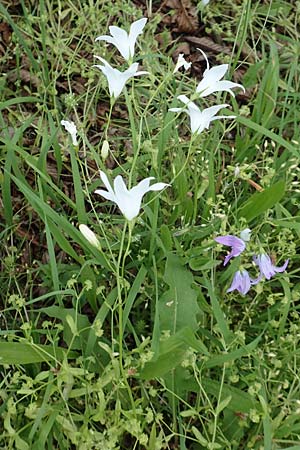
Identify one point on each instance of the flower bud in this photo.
(89, 235)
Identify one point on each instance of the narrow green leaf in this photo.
(133, 293)
(260, 202)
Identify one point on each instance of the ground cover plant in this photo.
(149, 225)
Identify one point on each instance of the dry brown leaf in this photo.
(186, 17)
(207, 44)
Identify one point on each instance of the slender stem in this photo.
(112, 102)
(119, 270)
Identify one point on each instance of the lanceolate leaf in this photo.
(260, 202)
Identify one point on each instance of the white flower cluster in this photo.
(211, 82)
(125, 43)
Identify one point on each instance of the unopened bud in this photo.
(89, 235)
(105, 150)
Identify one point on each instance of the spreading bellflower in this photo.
(71, 128)
(128, 201)
(116, 79)
(242, 282)
(237, 245)
(200, 120)
(122, 40)
(181, 62)
(266, 267)
(212, 82)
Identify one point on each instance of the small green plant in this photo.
(123, 324)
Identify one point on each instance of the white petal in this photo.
(208, 113)
(121, 41)
(191, 105)
(105, 38)
(184, 99)
(140, 189)
(176, 109)
(135, 30)
(223, 85)
(158, 186)
(70, 128)
(217, 72)
(120, 187)
(181, 62)
(107, 195)
(128, 203)
(210, 78)
(106, 182)
(206, 59)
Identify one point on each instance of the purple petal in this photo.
(282, 268)
(237, 245)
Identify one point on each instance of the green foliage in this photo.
(135, 343)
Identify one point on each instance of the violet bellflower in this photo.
(266, 267)
(200, 120)
(122, 40)
(211, 81)
(128, 201)
(116, 79)
(237, 245)
(242, 282)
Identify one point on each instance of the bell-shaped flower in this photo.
(71, 128)
(200, 120)
(122, 40)
(116, 79)
(266, 267)
(212, 82)
(242, 282)
(181, 62)
(237, 245)
(128, 201)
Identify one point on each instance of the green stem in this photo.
(120, 271)
(112, 102)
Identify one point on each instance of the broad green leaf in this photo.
(28, 353)
(172, 352)
(260, 202)
(178, 307)
(240, 400)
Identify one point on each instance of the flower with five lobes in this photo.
(200, 120)
(128, 201)
(71, 128)
(122, 40)
(266, 267)
(242, 282)
(237, 245)
(212, 82)
(116, 79)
